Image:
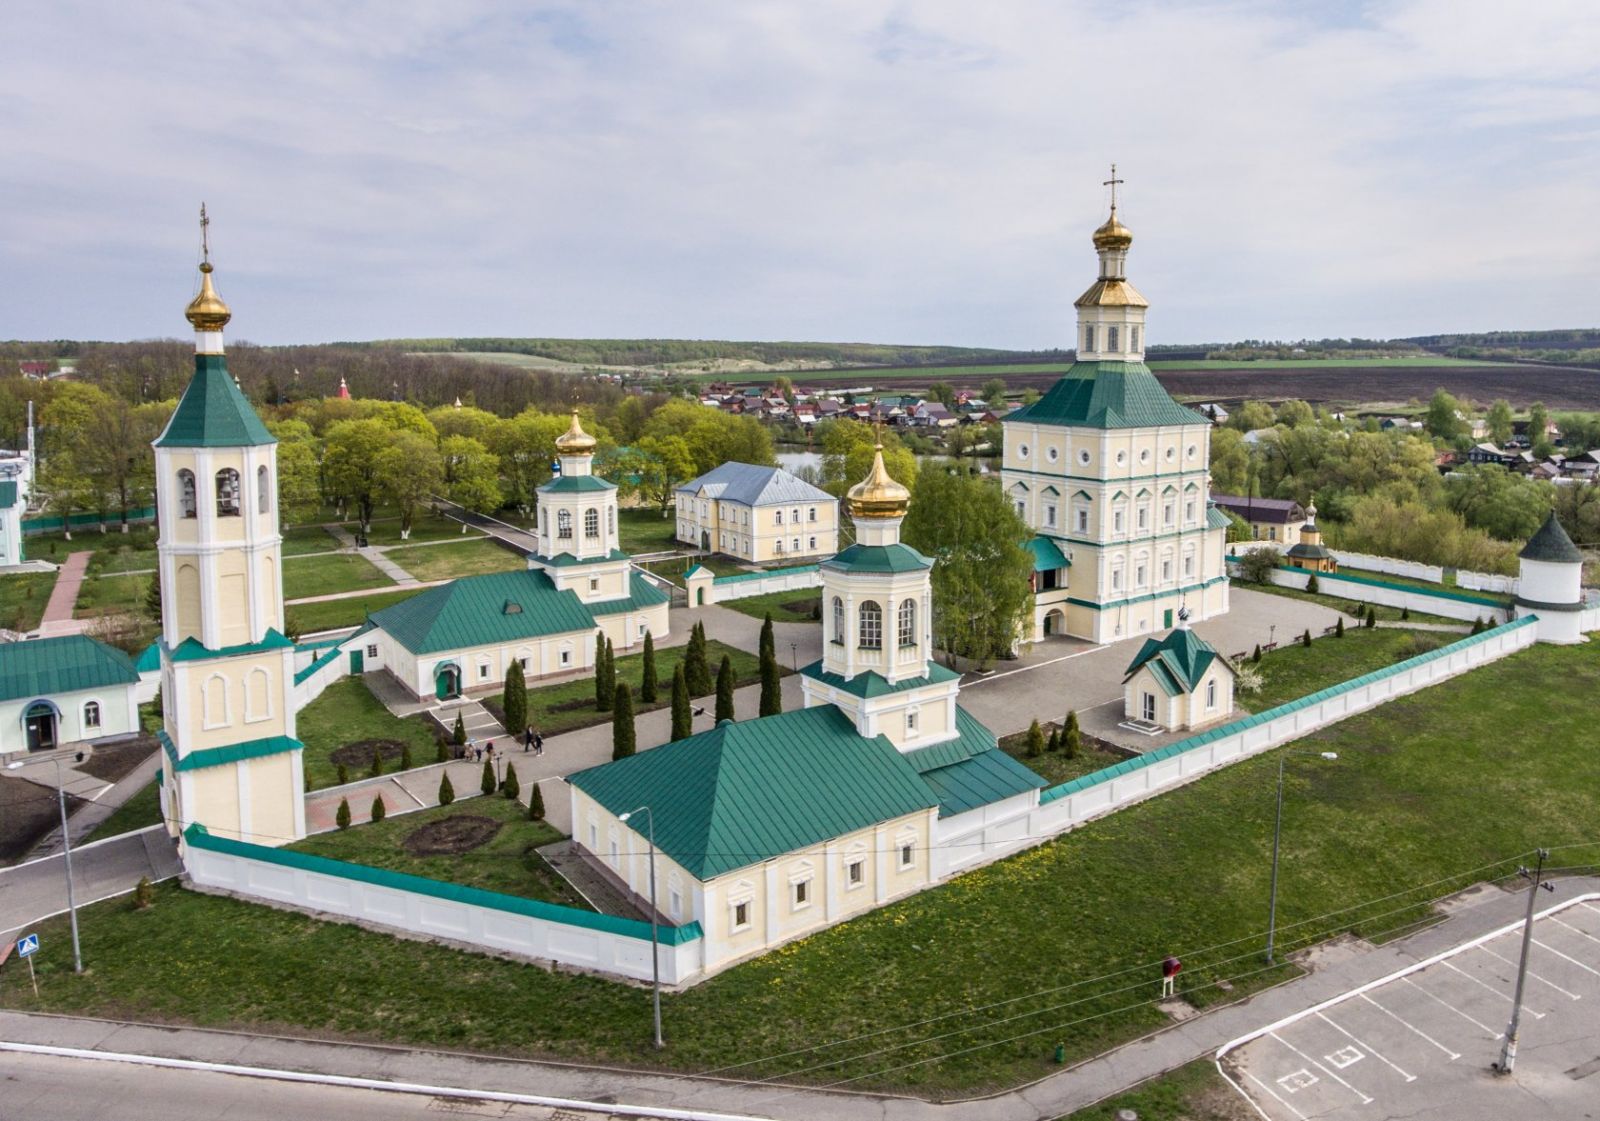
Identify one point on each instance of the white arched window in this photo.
(263, 491)
(871, 626)
(906, 623)
(227, 493)
(186, 499)
(591, 523)
(214, 701)
(91, 714)
(564, 524)
(838, 620)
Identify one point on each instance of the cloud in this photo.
(921, 172)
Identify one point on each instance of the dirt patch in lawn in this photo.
(451, 835)
(359, 754)
(113, 761)
(804, 608)
(28, 810)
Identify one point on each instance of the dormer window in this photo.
(512, 607)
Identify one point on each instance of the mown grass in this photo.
(331, 573)
(309, 618)
(1054, 766)
(308, 539)
(1431, 792)
(1293, 671)
(1195, 1092)
(448, 562)
(784, 607)
(23, 596)
(142, 810)
(99, 595)
(426, 527)
(1351, 607)
(644, 530)
(347, 712)
(506, 863)
(674, 569)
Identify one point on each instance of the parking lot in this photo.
(1419, 1044)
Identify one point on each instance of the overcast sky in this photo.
(923, 172)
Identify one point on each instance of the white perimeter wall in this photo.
(1328, 583)
(784, 581)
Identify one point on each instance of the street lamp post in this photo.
(66, 842)
(1277, 837)
(655, 953)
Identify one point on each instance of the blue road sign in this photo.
(27, 945)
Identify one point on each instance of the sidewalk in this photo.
(57, 618)
(1476, 912)
(37, 889)
(104, 799)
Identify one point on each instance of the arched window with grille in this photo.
(838, 621)
(227, 493)
(91, 714)
(564, 525)
(186, 499)
(591, 523)
(263, 491)
(907, 622)
(871, 626)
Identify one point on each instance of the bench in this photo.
(1269, 647)
(1239, 657)
(1330, 630)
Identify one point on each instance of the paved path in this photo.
(57, 618)
(101, 869)
(520, 540)
(103, 799)
(1334, 972)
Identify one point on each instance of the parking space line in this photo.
(1575, 930)
(1531, 973)
(1365, 1100)
(1371, 1050)
(1564, 957)
(1275, 1097)
(1485, 1027)
(1503, 996)
(1454, 1055)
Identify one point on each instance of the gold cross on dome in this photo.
(1112, 183)
(205, 232)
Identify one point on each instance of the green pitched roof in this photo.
(575, 484)
(479, 610)
(41, 666)
(1179, 661)
(746, 792)
(213, 413)
(1047, 554)
(1552, 545)
(878, 558)
(1216, 518)
(563, 560)
(871, 683)
(1108, 395)
(1306, 550)
(641, 593)
(971, 770)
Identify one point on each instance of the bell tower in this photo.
(577, 530)
(1111, 313)
(231, 761)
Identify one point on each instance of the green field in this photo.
(23, 596)
(346, 713)
(426, 527)
(1195, 1092)
(644, 530)
(308, 539)
(1293, 671)
(674, 569)
(1348, 607)
(447, 562)
(99, 595)
(309, 618)
(330, 574)
(506, 863)
(784, 607)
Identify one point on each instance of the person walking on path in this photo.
(527, 739)
(538, 744)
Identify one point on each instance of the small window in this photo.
(566, 657)
(1188, 564)
(1122, 457)
(372, 651)
(1138, 576)
(1190, 451)
(741, 915)
(1022, 508)
(1166, 513)
(802, 894)
(1083, 521)
(911, 721)
(1111, 339)
(855, 873)
(1052, 454)
(1116, 521)
(1083, 457)
(811, 544)
(1022, 451)
(1172, 453)
(186, 499)
(1049, 514)
(908, 855)
(594, 837)
(871, 626)
(1211, 693)
(91, 714)
(777, 517)
(1133, 339)
(523, 662)
(591, 523)
(1188, 510)
(1144, 456)
(1088, 337)
(1144, 518)
(614, 851)
(483, 671)
(594, 583)
(811, 514)
(1166, 571)
(564, 525)
(1116, 579)
(263, 491)
(796, 544)
(611, 519)
(227, 493)
(838, 621)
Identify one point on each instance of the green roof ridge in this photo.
(1107, 394)
(213, 412)
(37, 667)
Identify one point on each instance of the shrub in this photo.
(1071, 737)
(1256, 657)
(308, 782)
(771, 686)
(1338, 627)
(1035, 740)
(378, 808)
(377, 762)
(511, 788)
(1372, 616)
(648, 686)
(1257, 565)
(1247, 679)
(1414, 644)
(536, 804)
(442, 755)
(725, 689)
(458, 735)
(342, 818)
(1053, 744)
(1312, 585)
(1305, 639)
(343, 774)
(406, 762)
(695, 667)
(487, 784)
(623, 735)
(682, 715)
(144, 894)
(447, 792)
(1405, 614)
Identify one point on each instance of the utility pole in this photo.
(1508, 1053)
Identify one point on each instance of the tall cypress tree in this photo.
(725, 690)
(515, 699)
(768, 644)
(771, 688)
(623, 739)
(604, 683)
(152, 598)
(647, 687)
(682, 716)
(696, 669)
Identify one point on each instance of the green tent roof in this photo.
(1180, 660)
(42, 666)
(575, 484)
(479, 610)
(871, 683)
(878, 558)
(1552, 545)
(564, 560)
(1108, 395)
(746, 792)
(213, 413)
(1047, 555)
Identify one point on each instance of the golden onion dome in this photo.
(575, 441)
(1113, 235)
(207, 311)
(878, 495)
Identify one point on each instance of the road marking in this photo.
(1490, 1032)
(1364, 1099)
(1298, 1080)
(1345, 1057)
(1564, 957)
(1370, 1048)
(1531, 973)
(1275, 1097)
(1036, 665)
(1454, 1055)
(1576, 930)
(1498, 994)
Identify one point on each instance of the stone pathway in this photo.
(57, 618)
(103, 798)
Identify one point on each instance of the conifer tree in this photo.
(1311, 584)
(152, 598)
(343, 773)
(406, 762)
(647, 686)
(1053, 745)
(725, 689)
(605, 686)
(458, 735)
(1372, 616)
(377, 762)
(697, 673)
(378, 808)
(771, 685)
(515, 699)
(623, 737)
(535, 804)
(511, 788)
(1305, 639)
(488, 783)
(1405, 614)
(342, 818)
(1338, 627)
(768, 642)
(1256, 657)
(1035, 740)
(1071, 737)
(442, 754)
(447, 792)
(682, 716)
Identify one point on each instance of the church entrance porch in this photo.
(447, 682)
(40, 722)
(1055, 623)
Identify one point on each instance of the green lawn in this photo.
(1349, 606)
(22, 599)
(1293, 671)
(102, 594)
(1195, 1092)
(1430, 793)
(143, 809)
(674, 569)
(506, 863)
(425, 527)
(786, 607)
(347, 712)
(560, 708)
(130, 552)
(1053, 766)
(309, 618)
(305, 539)
(447, 562)
(644, 530)
(331, 573)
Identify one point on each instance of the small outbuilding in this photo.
(1550, 584)
(71, 689)
(1178, 683)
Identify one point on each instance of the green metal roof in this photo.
(213, 413)
(8, 494)
(697, 568)
(1047, 555)
(871, 683)
(565, 560)
(1551, 544)
(1216, 519)
(641, 593)
(231, 753)
(42, 666)
(1309, 551)
(1108, 395)
(477, 611)
(576, 484)
(981, 780)
(746, 792)
(1182, 654)
(149, 659)
(190, 649)
(878, 558)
